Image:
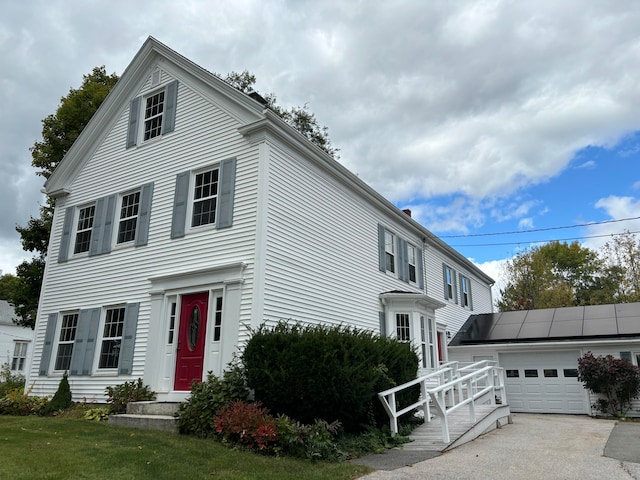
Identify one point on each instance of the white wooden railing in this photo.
(448, 389)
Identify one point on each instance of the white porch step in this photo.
(148, 416)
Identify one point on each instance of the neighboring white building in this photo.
(188, 214)
(16, 342)
(539, 350)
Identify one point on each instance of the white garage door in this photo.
(544, 382)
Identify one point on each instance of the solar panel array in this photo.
(551, 324)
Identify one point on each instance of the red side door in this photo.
(191, 340)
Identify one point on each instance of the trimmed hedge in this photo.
(328, 373)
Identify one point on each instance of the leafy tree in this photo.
(8, 286)
(616, 380)
(299, 118)
(622, 259)
(59, 131)
(553, 275)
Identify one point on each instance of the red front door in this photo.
(191, 340)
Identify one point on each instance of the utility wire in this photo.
(537, 241)
(541, 229)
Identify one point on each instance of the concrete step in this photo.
(148, 416)
(153, 408)
(165, 423)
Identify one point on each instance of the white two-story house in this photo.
(187, 214)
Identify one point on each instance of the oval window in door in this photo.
(194, 328)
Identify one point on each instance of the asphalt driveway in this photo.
(537, 447)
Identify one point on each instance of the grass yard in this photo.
(65, 448)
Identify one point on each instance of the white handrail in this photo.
(455, 389)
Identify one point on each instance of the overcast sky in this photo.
(480, 116)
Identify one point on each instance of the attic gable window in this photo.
(83, 229)
(153, 116)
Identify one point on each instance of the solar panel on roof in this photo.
(565, 328)
(534, 330)
(627, 310)
(600, 326)
(544, 315)
(568, 313)
(512, 317)
(507, 331)
(599, 311)
(628, 325)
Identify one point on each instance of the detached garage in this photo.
(539, 351)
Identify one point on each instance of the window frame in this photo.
(70, 340)
(120, 220)
(193, 186)
(20, 353)
(412, 269)
(403, 332)
(142, 133)
(390, 251)
(76, 231)
(465, 292)
(449, 274)
(105, 324)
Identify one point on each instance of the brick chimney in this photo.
(407, 211)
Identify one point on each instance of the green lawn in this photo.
(64, 448)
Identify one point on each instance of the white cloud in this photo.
(617, 208)
(470, 100)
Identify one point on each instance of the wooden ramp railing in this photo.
(448, 389)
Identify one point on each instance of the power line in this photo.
(541, 229)
(538, 241)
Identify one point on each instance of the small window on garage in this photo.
(513, 373)
(570, 372)
(550, 372)
(530, 373)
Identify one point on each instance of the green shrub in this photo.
(197, 414)
(61, 399)
(315, 442)
(615, 379)
(9, 381)
(17, 402)
(97, 414)
(120, 395)
(330, 373)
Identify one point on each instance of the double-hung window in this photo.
(153, 115)
(403, 330)
(465, 292)
(129, 208)
(396, 255)
(450, 283)
(412, 262)
(111, 338)
(389, 250)
(205, 198)
(83, 229)
(19, 356)
(66, 340)
(153, 111)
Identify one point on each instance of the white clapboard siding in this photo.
(453, 315)
(322, 249)
(204, 135)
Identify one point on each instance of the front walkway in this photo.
(533, 447)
